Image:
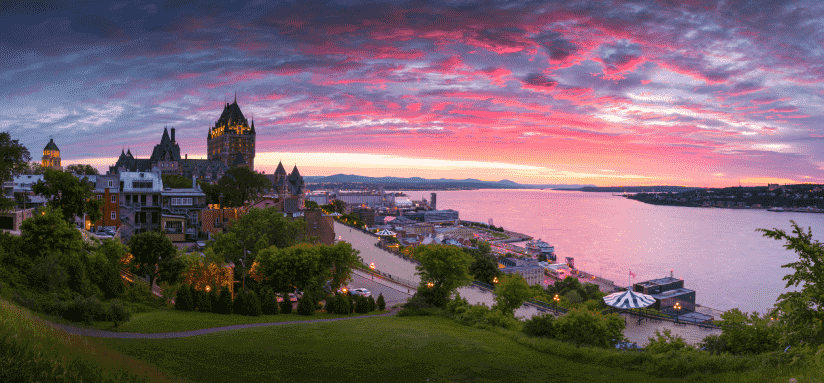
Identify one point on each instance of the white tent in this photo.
(629, 300)
(385, 233)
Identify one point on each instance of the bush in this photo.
(183, 300)
(713, 344)
(584, 327)
(86, 309)
(214, 301)
(361, 305)
(381, 302)
(665, 342)
(118, 313)
(306, 305)
(541, 326)
(269, 306)
(225, 301)
(372, 304)
(205, 303)
(251, 304)
(340, 304)
(286, 305)
(240, 303)
(195, 294)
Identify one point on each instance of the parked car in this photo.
(362, 292)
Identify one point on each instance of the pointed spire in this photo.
(235, 97)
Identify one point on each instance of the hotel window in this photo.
(111, 183)
(99, 197)
(114, 215)
(114, 198)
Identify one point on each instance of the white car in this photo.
(362, 292)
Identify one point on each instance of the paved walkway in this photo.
(183, 334)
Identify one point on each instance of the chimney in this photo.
(173, 136)
(187, 156)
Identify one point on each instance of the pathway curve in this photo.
(183, 334)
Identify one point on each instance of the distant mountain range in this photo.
(440, 182)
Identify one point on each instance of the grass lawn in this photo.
(174, 321)
(384, 349)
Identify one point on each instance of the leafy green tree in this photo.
(541, 326)
(484, 268)
(183, 300)
(226, 305)
(239, 304)
(71, 194)
(214, 301)
(176, 181)
(381, 302)
(306, 305)
(512, 291)
(342, 259)
(311, 205)
(665, 342)
(372, 304)
(286, 305)
(256, 230)
(14, 159)
(48, 233)
(584, 327)
(269, 305)
(112, 250)
(156, 256)
(801, 310)
(105, 276)
(753, 334)
(118, 313)
(204, 304)
(334, 206)
(239, 185)
(293, 267)
(34, 167)
(361, 305)
(445, 267)
(82, 169)
(195, 296)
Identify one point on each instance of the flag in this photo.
(631, 274)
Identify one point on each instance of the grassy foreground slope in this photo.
(385, 349)
(33, 351)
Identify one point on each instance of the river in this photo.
(717, 252)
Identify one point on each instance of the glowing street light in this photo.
(430, 285)
(372, 266)
(495, 280)
(556, 299)
(677, 308)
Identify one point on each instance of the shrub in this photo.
(584, 327)
(225, 299)
(381, 302)
(214, 302)
(118, 313)
(87, 309)
(195, 294)
(269, 306)
(665, 342)
(205, 303)
(361, 305)
(306, 305)
(457, 306)
(240, 303)
(251, 304)
(540, 326)
(286, 305)
(183, 300)
(372, 304)
(713, 344)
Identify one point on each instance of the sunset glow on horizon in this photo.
(643, 93)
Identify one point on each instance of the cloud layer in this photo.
(692, 93)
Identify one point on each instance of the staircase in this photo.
(129, 276)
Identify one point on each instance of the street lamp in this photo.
(495, 280)
(556, 299)
(372, 266)
(430, 285)
(677, 308)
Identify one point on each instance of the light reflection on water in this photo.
(716, 251)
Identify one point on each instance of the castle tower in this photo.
(51, 156)
(232, 135)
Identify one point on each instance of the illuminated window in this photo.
(114, 215)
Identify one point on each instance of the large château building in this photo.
(232, 139)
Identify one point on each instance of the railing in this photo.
(661, 317)
(129, 276)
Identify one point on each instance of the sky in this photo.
(695, 93)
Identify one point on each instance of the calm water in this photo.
(716, 251)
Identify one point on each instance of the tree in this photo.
(256, 230)
(205, 303)
(183, 300)
(299, 267)
(269, 305)
(82, 169)
(214, 301)
(71, 194)
(306, 305)
(239, 185)
(34, 167)
(444, 267)
(753, 334)
(589, 328)
(311, 205)
(334, 206)
(381, 302)
(118, 313)
(286, 305)
(14, 159)
(372, 304)
(342, 258)
(176, 181)
(47, 232)
(225, 306)
(361, 305)
(801, 310)
(512, 291)
(155, 256)
(484, 268)
(112, 250)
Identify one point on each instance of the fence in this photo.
(660, 317)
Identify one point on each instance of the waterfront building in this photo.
(232, 139)
(434, 216)
(526, 268)
(433, 201)
(51, 156)
(667, 292)
(539, 247)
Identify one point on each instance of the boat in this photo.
(776, 209)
